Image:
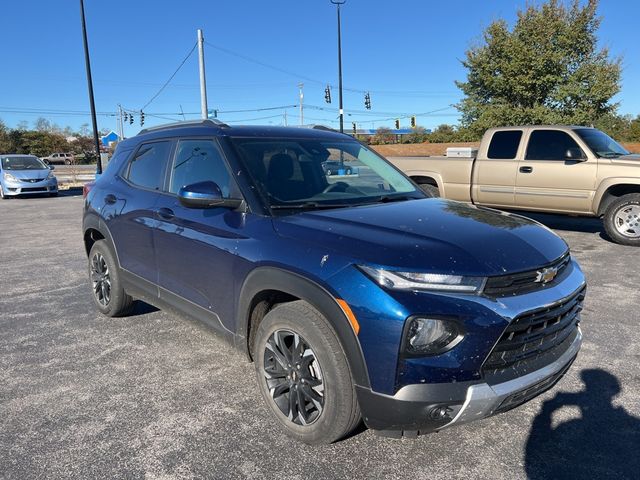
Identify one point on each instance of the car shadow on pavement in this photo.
(602, 443)
(142, 308)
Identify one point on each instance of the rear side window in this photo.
(146, 169)
(199, 161)
(504, 144)
(549, 145)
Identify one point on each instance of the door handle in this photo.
(110, 199)
(526, 169)
(165, 213)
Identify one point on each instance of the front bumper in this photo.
(26, 188)
(426, 408)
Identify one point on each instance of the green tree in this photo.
(546, 69)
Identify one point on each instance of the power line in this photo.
(171, 77)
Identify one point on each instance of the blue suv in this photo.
(356, 297)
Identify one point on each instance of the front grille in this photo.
(33, 189)
(536, 338)
(524, 282)
(32, 180)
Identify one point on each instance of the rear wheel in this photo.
(622, 220)
(108, 294)
(304, 376)
(431, 191)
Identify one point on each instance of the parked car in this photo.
(556, 169)
(61, 158)
(355, 296)
(334, 167)
(25, 174)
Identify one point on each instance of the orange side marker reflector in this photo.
(347, 311)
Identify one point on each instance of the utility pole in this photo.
(285, 118)
(87, 63)
(203, 81)
(337, 3)
(301, 86)
(120, 125)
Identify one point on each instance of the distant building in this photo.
(110, 139)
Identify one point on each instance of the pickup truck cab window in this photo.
(504, 144)
(549, 145)
(199, 161)
(146, 168)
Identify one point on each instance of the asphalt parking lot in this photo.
(156, 396)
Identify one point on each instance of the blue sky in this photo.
(406, 53)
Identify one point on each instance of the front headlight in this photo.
(10, 178)
(50, 175)
(429, 336)
(425, 281)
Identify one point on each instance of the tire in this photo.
(622, 220)
(2, 196)
(431, 191)
(318, 373)
(108, 294)
(67, 162)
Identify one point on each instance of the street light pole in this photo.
(337, 3)
(87, 62)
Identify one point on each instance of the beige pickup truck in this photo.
(556, 169)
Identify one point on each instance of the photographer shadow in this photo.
(603, 443)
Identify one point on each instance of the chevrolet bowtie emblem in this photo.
(546, 275)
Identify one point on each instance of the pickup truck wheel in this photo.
(622, 220)
(303, 375)
(431, 191)
(108, 294)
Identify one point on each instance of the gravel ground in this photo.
(156, 396)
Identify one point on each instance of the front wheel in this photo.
(304, 376)
(622, 220)
(108, 294)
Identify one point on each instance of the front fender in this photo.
(272, 278)
(605, 185)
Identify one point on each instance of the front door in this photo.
(196, 247)
(549, 180)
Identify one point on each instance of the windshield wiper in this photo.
(394, 198)
(311, 206)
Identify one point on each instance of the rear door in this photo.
(495, 170)
(129, 211)
(549, 180)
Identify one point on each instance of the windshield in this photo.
(22, 163)
(600, 143)
(309, 173)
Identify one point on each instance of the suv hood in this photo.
(432, 235)
(631, 159)
(29, 174)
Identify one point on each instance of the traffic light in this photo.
(397, 124)
(327, 94)
(126, 118)
(141, 118)
(131, 119)
(353, 124)
(413, 121)
(367, 101)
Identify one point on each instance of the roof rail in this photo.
(315, 126)
(208, 122)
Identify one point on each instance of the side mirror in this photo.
(575, 154)
(206, 195)
(51, 167)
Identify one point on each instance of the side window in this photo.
(199, 161)
(549, 145)
(504, 144)
(146, 168)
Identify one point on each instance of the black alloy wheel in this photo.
(100, 279)
(293, 377)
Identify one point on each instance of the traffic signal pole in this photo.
(337, 4)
